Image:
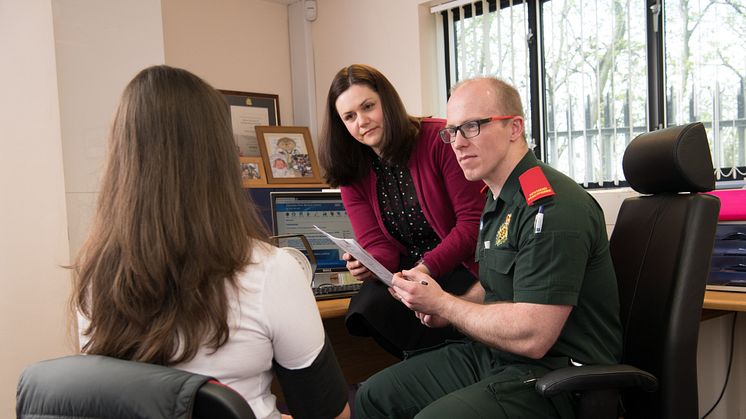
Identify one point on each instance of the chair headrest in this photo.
(674, 159)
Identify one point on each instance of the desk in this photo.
(724, 300)
(336, 307)
(720, 303)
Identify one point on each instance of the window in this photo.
(593, 75)
(492, 43)
(705, 70)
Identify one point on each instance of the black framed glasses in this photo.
(469, 129)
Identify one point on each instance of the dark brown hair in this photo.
(344, 159)
(172, 227)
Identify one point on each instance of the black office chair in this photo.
(661, 247)
(94, 386)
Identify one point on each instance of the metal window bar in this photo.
(604, 131)
(482, 40)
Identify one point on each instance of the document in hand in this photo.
(352, 247)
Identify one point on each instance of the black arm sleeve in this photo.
(318, 391)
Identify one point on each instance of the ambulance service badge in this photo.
(502, 232)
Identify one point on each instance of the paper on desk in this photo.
(352, 247)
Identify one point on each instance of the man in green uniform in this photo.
(546, 296)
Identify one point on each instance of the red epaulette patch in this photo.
(535, 185)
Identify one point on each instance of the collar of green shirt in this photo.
(512, 186)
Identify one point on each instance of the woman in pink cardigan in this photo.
(407, 198)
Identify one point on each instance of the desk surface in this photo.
(336, 307)
(724, 300)
(714, 300)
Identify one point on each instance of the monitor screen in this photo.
(728, 266)
(297, 212)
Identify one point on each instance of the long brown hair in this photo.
(344, 159)
(172, 228)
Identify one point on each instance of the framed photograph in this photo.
(247, 111)
(288, 154)
(252, 172)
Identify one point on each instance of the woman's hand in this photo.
(357, 269)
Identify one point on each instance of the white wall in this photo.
(233, 44)
(712, 364)
(100, 46)
(384, 34)
(610, 201)
(33, 226)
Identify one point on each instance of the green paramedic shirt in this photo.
(566, 263)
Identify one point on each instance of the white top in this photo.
(274, 316)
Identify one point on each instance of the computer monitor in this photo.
(728, 266)
(296, 212)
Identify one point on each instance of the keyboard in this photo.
(329, 291)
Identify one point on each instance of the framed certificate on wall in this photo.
(247, 111)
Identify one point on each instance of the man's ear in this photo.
(516, 128)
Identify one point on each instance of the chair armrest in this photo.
(595, 377)
(216, 400)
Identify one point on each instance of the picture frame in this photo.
(288, 154)
(252, 172)
(248, 110)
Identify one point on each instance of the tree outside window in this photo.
(584, 74)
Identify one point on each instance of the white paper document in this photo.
(244, 119)
(352, 247)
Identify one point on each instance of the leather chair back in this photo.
(661, 247)
(94, 386)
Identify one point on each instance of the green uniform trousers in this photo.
(456, 380)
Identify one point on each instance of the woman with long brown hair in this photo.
(409, 203)
(177, 269)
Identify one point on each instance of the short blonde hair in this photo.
(508, 99)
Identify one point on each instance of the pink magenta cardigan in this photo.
(451, 204)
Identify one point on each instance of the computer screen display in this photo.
(728, 266)
(297, 213)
